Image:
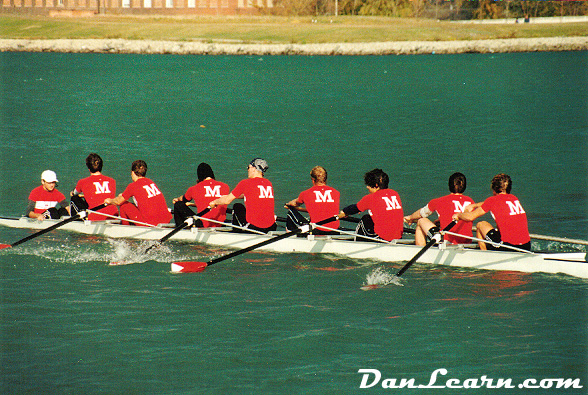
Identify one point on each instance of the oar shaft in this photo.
(46, 230)
(187, 222)
(423, 250)
(559, 239)
(269, 241)
(253, 247)
(173, 232)
(54, 226)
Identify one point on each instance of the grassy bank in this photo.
(272, 29)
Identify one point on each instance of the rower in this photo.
(321, 201)
(91, 191)
(151, 207)
(206, 189)
(385, 218)
(511, 220)
(43, 200)
(445, 207)
(258, 211)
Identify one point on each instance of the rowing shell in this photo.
(573, 264)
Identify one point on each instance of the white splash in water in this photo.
(380, 278)
(125, 252)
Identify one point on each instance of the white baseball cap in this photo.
(49, 176)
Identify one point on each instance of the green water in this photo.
(290, 324)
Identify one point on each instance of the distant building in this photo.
(135, 7)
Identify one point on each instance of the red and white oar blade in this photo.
(188, 267)
(3, 246)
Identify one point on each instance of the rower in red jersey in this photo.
(385, 218)
(511, 219)
(206, 190)
(151, 207)
(257, 191)
(44, 199)
(320, 201)
(445, 207)
(91, 191)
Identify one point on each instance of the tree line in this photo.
(439, 9)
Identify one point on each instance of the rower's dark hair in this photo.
(139, 167)
(94, 163)
(376, 178)
(204, 171)
(457, 183)
(501, 183)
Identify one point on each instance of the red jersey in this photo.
(44, 199)
(445, 207)
(321, 202)
(258, 194)
(95, 189)
(150, 201)
(203, 193)
(510, 218)
(386, 210)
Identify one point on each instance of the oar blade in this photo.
(3, 246)
(188, 267)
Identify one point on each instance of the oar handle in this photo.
(423, 250)
(57, 225)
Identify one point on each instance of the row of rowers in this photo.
(384, 218)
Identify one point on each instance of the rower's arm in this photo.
(117, 201)
(421, 213)
(470, 215)
(178, 199)
(293, 203)
(222, 201)
(31, 211)
(349, 210)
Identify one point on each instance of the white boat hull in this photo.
(573, 264)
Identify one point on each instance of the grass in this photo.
(272, 29)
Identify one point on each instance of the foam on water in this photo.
(379, 277)
(109, 250)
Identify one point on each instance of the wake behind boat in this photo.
(573, 264)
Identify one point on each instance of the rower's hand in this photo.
(455, 217)
(108, 201)
(212, 204)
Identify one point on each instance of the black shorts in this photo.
(494, 236)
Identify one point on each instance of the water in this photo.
(290, 323)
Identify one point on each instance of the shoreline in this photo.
(120, 46)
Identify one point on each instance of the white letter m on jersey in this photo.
(392, 204)
(459, 208)
(515, 208)
(265, 193)
(102, 188)
(152, 190)
(212, 192)
(322, 198)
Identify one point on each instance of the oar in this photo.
(433, 240)
(81, 214)
(189, 221)
(354, 220)
(189, 267)
(559, 239)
